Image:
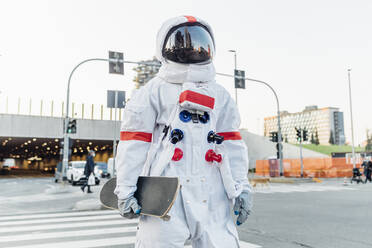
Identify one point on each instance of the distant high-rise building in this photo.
(146, 72)
(325, 125)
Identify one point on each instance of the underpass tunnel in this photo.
(43, 154)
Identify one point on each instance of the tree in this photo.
(316, 139)
(312, 140)
(331, 139)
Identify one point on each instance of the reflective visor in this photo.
(188, 43)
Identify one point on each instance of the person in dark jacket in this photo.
(368, 173)
(89, 168)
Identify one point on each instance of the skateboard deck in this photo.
(155, 195)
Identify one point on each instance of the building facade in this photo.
(325, 125)
(146, 72)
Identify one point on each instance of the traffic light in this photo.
(274, 136)
(298, 133)
(304, 135)
(71, 128)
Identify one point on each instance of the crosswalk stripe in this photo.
(248, 245)
(57, 220)
(101, 227)
(68, 234)
(105, 242)
(48, 215)
(84, 243)
(69, 225)
(243, 244)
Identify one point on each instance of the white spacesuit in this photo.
(202, 145)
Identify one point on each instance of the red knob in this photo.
(178, 154)
(211, 156)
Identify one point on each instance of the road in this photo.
(35, 212)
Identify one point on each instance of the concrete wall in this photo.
(52, 127)
(261, 148)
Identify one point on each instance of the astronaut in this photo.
(182, 123)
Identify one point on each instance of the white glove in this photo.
(243, 207)
(129, 207)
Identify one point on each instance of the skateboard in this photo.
(155, 195)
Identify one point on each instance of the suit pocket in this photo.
(134, 118)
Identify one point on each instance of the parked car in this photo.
(100, 168)
(75, 173)
(8, 164)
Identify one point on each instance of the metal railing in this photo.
(52, 108)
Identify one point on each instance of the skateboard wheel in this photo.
(178, 154)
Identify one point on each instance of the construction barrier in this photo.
(313, 167)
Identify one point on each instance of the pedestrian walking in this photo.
(368, 171)
(89, 170)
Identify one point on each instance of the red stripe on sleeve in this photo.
(197, 98)
(231, 135)
(190, 18)
(147, 137)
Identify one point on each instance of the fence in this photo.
(29, 106)
(313, 167)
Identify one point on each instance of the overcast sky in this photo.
(302, 48)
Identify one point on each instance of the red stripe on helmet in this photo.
(231, 135)
(197, 98)
(141, 136)
(190, 18)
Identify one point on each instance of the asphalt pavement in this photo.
(36, 212)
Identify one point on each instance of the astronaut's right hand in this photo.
(129, 208)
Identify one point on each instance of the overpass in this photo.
(35, 141)
(26, 126)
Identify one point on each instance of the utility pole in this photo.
(280, 139)
(351, 119)
(300, 135)
(115, 133)
(235, 68)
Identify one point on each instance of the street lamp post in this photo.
(351, 119)
(235, 67)
(278, 111)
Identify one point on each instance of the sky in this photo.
(301, 48)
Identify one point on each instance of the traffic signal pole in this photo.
(65, 134)
(302, 162)
(278, 111)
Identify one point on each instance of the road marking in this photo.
(69, 225)
(50, 238)
(68, 234)
(40, 197)
(243, 244)
(58, 220)
(84, 243)
(48, 215)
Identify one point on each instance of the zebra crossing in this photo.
(80, 229)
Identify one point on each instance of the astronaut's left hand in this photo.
(243, 207)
